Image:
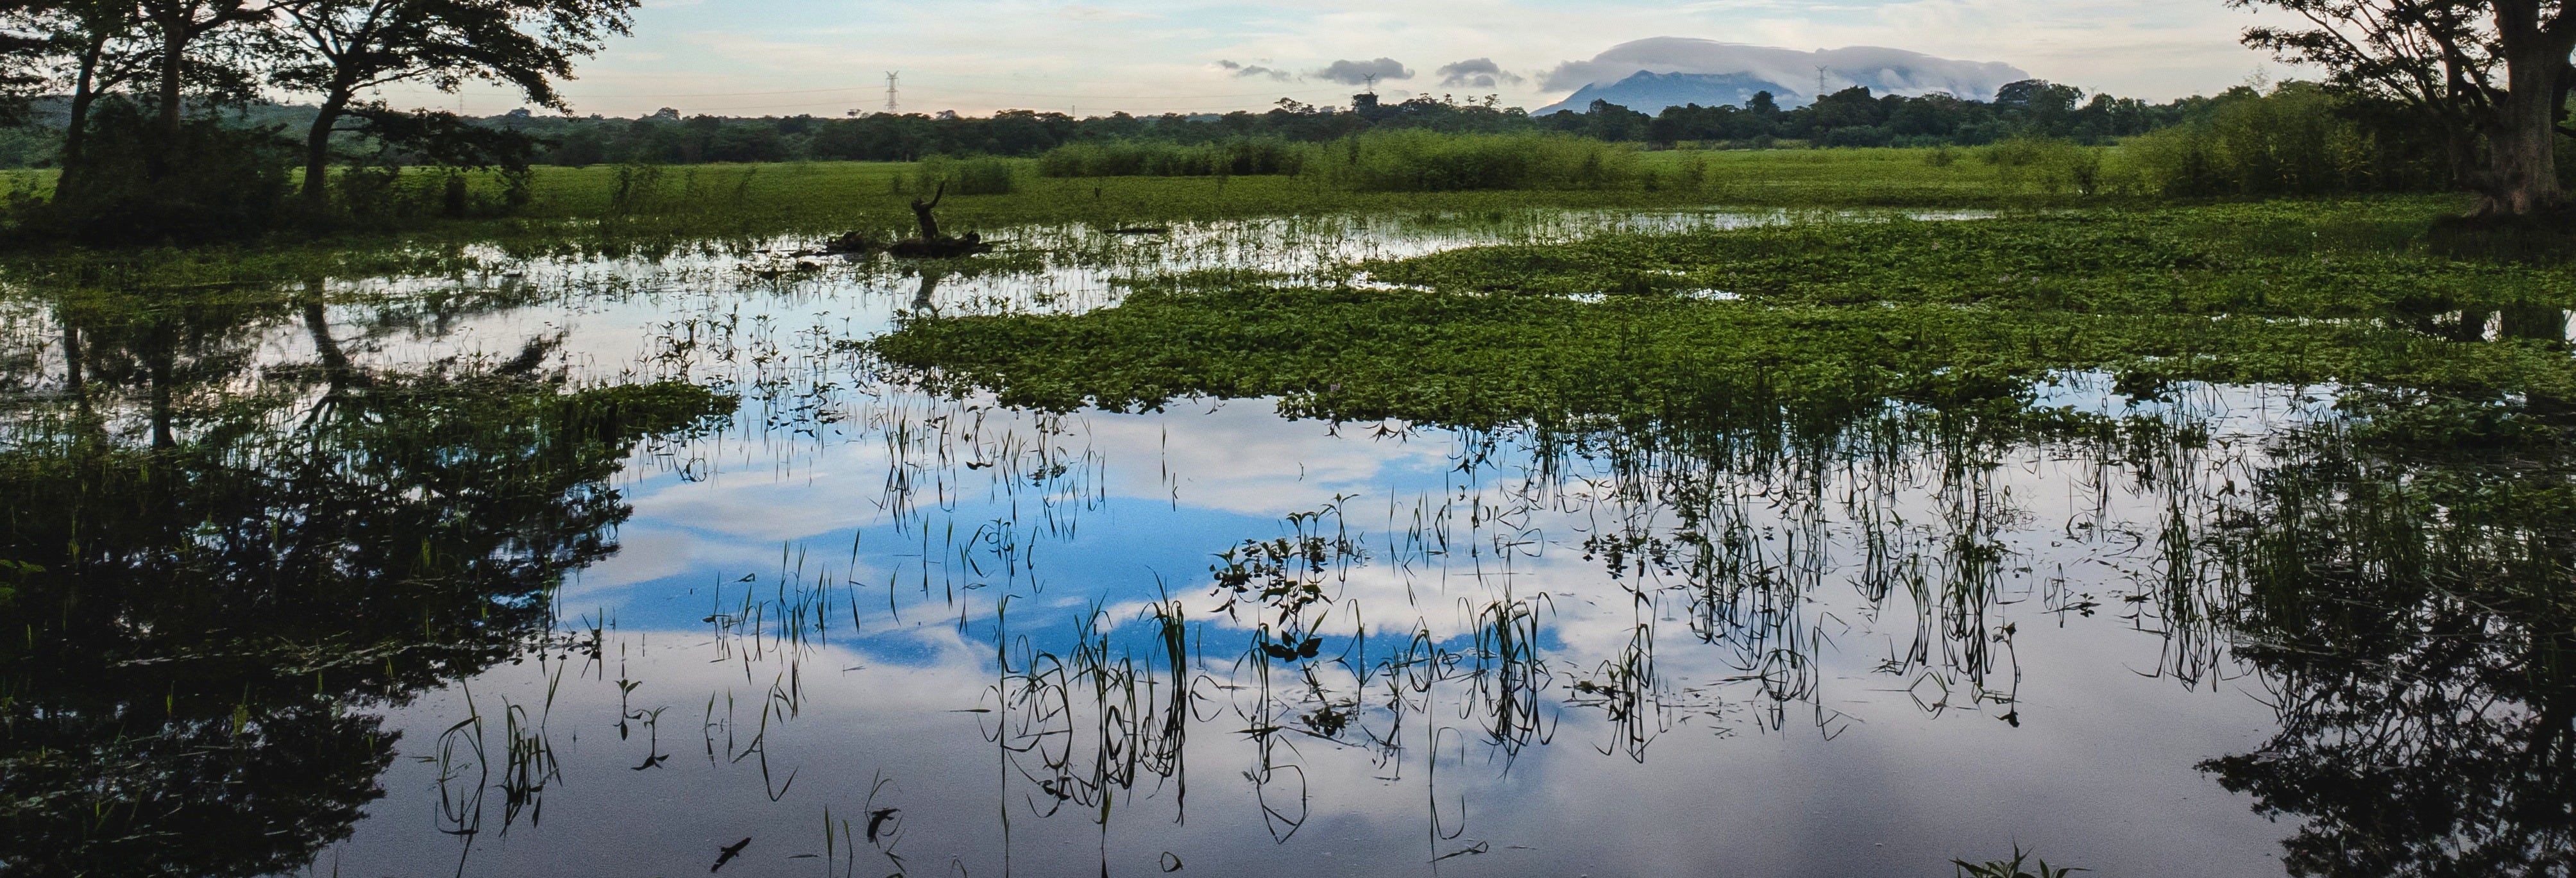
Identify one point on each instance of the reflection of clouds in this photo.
(1240, 456)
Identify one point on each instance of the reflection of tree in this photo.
(209, 600)
(2417, 619)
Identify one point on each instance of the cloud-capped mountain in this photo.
(1651, 74)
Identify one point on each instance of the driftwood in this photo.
(967, 244)
(932, 244)
(851, 243)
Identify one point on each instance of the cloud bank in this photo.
(1476, 73)
(1361, 72)
(1885, 71)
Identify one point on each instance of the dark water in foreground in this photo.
(414, 588)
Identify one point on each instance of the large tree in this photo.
(94, 48)
(351, 46)
(178, 27)
(2492, 74)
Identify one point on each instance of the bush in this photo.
(981, 175)
(1242, 156)
(1425, 161)
(216, 183)
(2048, 165)
(2296, 140)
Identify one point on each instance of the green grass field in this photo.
(613, 206)
(821, 197)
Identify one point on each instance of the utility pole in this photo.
(1820, 80)
(891, 104)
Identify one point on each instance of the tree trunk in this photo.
(75, 137)
(74, 382)
(2522, 154)
(157, 369)
(317, 153)
(174, 65)
(921, 213)
(2521, 173)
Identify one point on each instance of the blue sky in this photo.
(785, 57)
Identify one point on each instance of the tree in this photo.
(2491, 75)
(177, 25)
(23, 47)
(2411, 609)
(93, 47)
(2038, 105)
(202, 609)
(348, 46)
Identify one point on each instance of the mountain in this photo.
(1649, 92)
(1651, 74)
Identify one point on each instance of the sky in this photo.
(829, 57)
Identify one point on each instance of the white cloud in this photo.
(1477, 73)
(1887, 71)
(767, 56)
(1349, 72)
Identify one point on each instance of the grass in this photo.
(627, 204)
(2283, 259)
(1833, 318)
(831, 195)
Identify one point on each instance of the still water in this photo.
(641, 567)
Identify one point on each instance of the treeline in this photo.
(2295, 139)
(1857, 117)
(1852, 117)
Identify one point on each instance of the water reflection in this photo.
(2411, 614)
(221, 589)
(653, 571)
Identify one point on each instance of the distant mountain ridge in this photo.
(1650, 92)
(1650, 74)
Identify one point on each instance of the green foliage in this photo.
(1425, 161)
(2047, 165)
(982, 175)
(2303, 259)
(1240, 156)
(2296, 140)
(2013, 868)
(217, 183)
(1833, 320)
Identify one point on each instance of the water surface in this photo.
(874, 631)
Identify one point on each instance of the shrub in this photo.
(2048, 165)
(2296, 140)
(1426, 161)
(216, 183)
(1241, 156)
(981, 175)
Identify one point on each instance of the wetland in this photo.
(1502, 534)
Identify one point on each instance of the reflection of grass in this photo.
(2019, 866)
